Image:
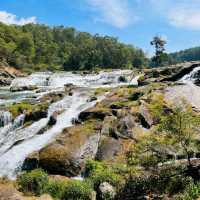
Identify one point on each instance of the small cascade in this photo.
(193, 77)
(5, 118)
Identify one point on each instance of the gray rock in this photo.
(107, 191)
(145, 112)
(108, 148)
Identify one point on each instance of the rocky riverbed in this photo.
(97, 116)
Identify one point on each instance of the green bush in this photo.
(177, 184)
(77, 190)
(98, 173)
(34, 182)
(55, 188)
(93, 166)
(104, 176)
(192, 192)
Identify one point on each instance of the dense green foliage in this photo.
(37, 182)
(191, 54)
(34, 182)
(40, 47)
(98, 173)
(77, 190)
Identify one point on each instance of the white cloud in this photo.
(180, 13)
(114, 12)
(186, 18)
(9, 18)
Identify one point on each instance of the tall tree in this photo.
(160, 55)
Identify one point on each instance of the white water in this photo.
(191, 77)
(189, 91)
(5, 118)
(17, 142)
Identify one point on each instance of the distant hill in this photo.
(192, 54)
(40, 47)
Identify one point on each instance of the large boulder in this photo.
(108, 148)
(68, 153)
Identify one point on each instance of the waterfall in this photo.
(17, 142)
(5, 118)
(192, 77)
(12, 160)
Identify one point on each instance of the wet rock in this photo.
(31, 162)
(75, 121)
(53, 119)
(68, 154)
(52, 97)
(69, 88)
(5, 81)
(107, 191)
(36, 115)
(122, 79)
(93, 114)
(91, 99)
(23, 88)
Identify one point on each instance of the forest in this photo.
(39, 47)
(192, 54)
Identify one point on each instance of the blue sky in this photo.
(132, 21)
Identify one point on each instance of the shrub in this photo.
(177, 184)
(192, 192)
(93, 166)
(106, 175)
(77, 190)
(34, 181)
(98, 173)
(55, 188)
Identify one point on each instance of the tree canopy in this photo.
(40, 47)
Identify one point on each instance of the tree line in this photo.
(192, 54)
(40, 47)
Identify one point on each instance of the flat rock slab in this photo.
(189, 92)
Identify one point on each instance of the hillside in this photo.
(192, 54)
(39, 47)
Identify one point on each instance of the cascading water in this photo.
(5, 118)
(192, 77)
(17, 142)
